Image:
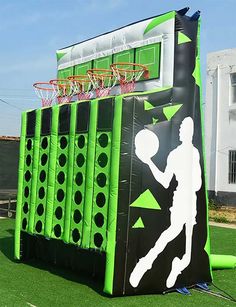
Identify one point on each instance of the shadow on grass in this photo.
(7, 246)
(93, 282)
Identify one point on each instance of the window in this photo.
(233, 88)
(64, 73)
(149, 56)
(232, 166)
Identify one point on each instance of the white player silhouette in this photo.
(184, 163)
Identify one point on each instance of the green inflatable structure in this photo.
(114, 186)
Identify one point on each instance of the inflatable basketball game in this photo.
(112, 172)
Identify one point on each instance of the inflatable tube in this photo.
(223, 262)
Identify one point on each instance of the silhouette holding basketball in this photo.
(184, 163)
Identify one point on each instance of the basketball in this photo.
(146, 143)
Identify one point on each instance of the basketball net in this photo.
(64, 90)
(102, 81)
(128, 73)
(81, 86)
(46, 92)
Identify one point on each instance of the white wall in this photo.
(220, 119)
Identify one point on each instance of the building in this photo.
(220, 126)
(9, 155)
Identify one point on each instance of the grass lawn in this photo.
(38, 284)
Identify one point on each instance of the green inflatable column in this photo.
(20, 185)
(113, 200)
(70, 170)
(79, 154)
(89, 180)
(52, 171)
(35, 169)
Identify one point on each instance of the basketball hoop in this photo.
(102, 80)
(45, 91)
(128, 73)
(81, 86)
(64, 90)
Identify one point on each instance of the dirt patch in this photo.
(222, 214)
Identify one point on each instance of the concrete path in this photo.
(225, 225)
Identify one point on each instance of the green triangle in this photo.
(196, 74)
(138, 223)
(171, 110)
(183, 38)
(60, 55)
(147, 201)
(148, 105)
(154, 120)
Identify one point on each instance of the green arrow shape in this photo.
(60, 55)
(154, 121)
(148, 105)
(183, 38)
(146, 201)
(158, 20)
(196, 74)
(138, 223)
(171, 110)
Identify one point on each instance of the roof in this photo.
(9, 138)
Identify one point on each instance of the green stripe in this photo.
(52, 171)
(69, 183)
(35, 162)
(113, 201)
(198, 73)
(20, 186)
(90, 173)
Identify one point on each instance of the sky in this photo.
(32, 30)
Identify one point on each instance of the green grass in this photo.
(41, 285)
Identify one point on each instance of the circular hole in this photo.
(98, 239)
(78, 197)
(77, 216)
(39, 226)
(25, 208)
(41, 193)
(62, 160)
(57, 230)
(80, 160)
(27, 176)
(61, 177)
(29, 144)
(101, 180)
(100, 200)
(81, 141)
(60, 195)
(24, 223)
(99, 219)
(58, 213)
(44, 159)
(28, 160)
(44, 143)
(42, 176)
(40, 209)
(26, 193)
(103, 140)
(79, 178)
(102, 160)
(63, 142)
(75, 235)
